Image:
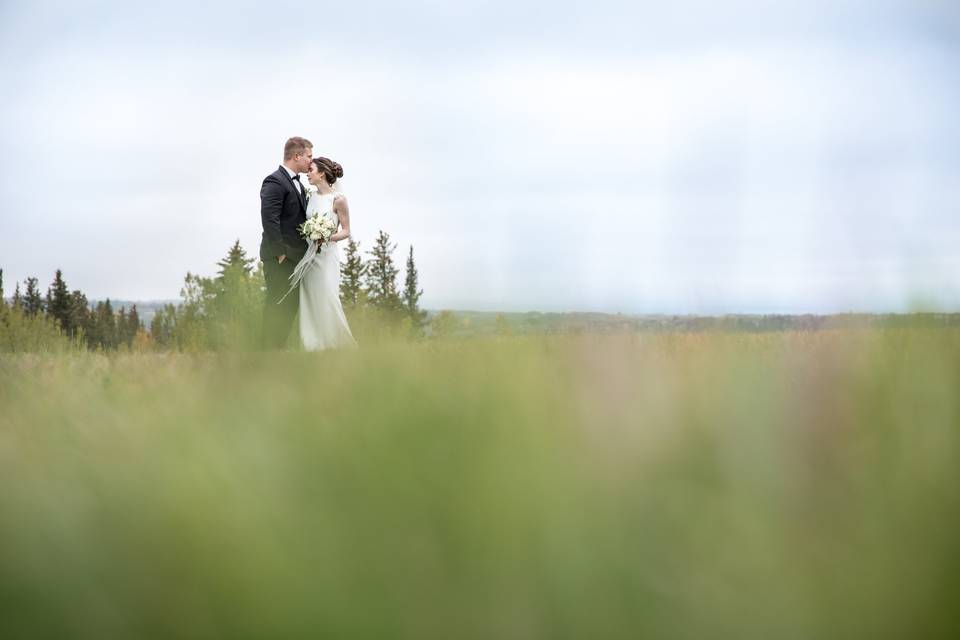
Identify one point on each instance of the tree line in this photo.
(371, 285)
(225, 311)
(219, 312)
(61, 318)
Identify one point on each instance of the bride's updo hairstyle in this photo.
(330, 169)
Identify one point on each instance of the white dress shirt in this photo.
(295, 177)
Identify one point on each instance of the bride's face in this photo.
(315, 177)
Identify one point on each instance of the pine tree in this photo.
(91, 328)
(411, 297)
(32, 301)
(235, 261)
(351, 277)
(133, 324)
(157, 332)
(230, 292)
(105, 325)
(121, 324)
(231, 305)
(17, 298)
(380, 279)
(58, 303)
(79, 312)
(3, 301)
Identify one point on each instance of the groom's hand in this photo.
(280, 259)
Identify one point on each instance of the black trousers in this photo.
(278, 318)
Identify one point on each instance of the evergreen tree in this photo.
(32, 301)
(17, 298)
(236, 261)
(380, 279)
(220, 312)
(351, 277)
(91, 328)
(106, 325)
(157, 329)
(58, 303)
(411, 297)
(121, 324)
(3, 301)
(79, 312)
(133, 324)
(234, 293)
(111, 323)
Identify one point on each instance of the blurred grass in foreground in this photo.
(790, 485)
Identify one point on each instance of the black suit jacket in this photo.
(282, 210)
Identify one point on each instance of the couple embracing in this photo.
(302, 270)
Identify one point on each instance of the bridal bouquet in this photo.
(316, 227)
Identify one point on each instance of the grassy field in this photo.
(703, 485)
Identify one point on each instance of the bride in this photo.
(322, 322)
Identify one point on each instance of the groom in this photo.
(283, 208)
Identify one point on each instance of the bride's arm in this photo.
(342, 209)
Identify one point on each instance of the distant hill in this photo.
(471, 323)
(533, 322)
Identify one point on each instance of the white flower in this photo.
(317, 227)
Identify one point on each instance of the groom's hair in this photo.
(296, 145)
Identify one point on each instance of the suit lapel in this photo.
(285, 179)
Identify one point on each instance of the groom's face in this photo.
(303, 160)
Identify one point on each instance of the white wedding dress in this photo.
(322, 322)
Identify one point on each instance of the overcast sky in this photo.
(700, 157)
